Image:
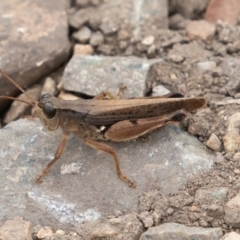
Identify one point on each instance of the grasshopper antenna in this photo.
(33, 103)
(16, 99)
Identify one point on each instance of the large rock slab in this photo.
(94, 74)
(83, 185)
(33, 41)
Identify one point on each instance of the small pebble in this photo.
(44, 232)
(200, 29)
(148, 40)
(123, 35)
(83, 49)
(60, 232)
(214, 143)
(83, 35)
(237, 171)
(96, 39)
(123, 45)
(159, 90)
(49, 87)
(151, 50)
(206, 66)
(194, 209)
(236, 156)
(170, 211)
(109, 26)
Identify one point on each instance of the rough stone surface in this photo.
(215, 210)
(200, 29)
(191, 53)
(94, 74)
(232, 212)
(168, 231)
(16, 229)
(231, 236)
(126, 227)
(231, 68)
(26, 148)
(34, 41)
(211, 195)
(146, 219)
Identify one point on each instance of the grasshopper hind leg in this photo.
(105, 148)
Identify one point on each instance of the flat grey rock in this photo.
(83, 185)
(94, 74)
(33, 41)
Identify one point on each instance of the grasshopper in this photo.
(107, 118)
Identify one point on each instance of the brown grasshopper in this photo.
(107, 119)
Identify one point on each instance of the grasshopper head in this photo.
(47, 112)
(45, 108)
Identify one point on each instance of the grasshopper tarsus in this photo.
(38, 180)
(132, 184)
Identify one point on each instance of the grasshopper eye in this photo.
(49, 110)
(46, 96)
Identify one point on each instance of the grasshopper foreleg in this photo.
(105, 148)
(58, 154)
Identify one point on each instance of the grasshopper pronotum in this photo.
(107, 119)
